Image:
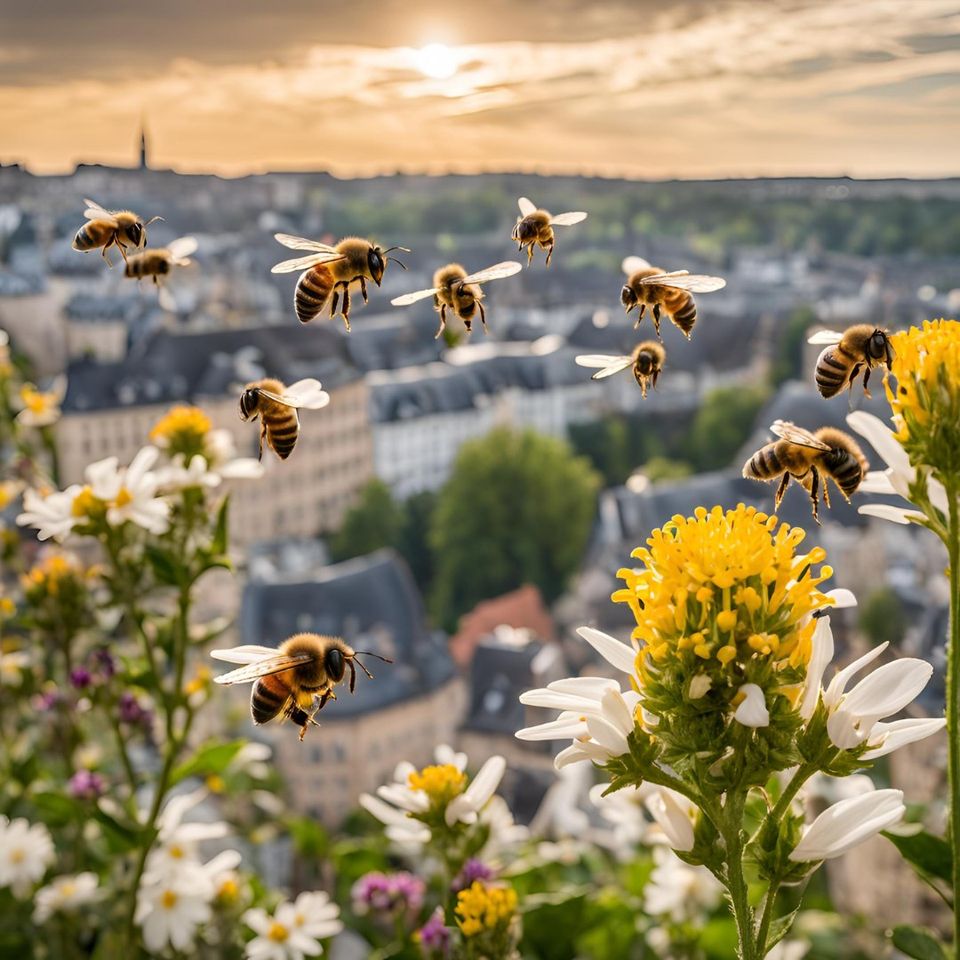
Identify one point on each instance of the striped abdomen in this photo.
(283, 428)
(834, 370)
(147, 265)
(313, 291)
(93, 234)
(765, 464)
(683, 311)
(267, 698)
(845, 469)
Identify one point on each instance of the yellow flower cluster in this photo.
(440, 782)
(481, 908)
(38, 402)
(724, 586)
(183, 430)
(53, 572)
(926, 366)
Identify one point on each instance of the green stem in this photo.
(953, 694)
(803, 774)
(732, 833)
(766, 917)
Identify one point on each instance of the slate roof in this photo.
(373, 604)
(498, 675)
(167, 367)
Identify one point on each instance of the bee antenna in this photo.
(390, 249)
(363, 653)
(397, 262)
(152, 220)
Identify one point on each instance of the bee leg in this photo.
(303, 728)
(826, 493)
(656, 320)
(122, 249)
(363, 289)
(655, 377)
(103, 253)
(814, 491)
(334, 301)
(353, 676)
(640, 312)
(483, 317)
(263, 433)
(549, 249)
(443, 321)
(781, 490)
(866, 380)
(529, 254)
(345, 310)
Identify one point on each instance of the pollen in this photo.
(85, 504)
(440, 782)
(183, 430)
(278, 932)
(168, 900)
(124, 497)
(481, 908)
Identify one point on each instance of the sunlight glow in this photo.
(435, 60)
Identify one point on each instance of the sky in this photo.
(634, 88)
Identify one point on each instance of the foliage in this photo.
(722, 424)
(375, 521)
(517, 509)
(882, 617)
(788, 363)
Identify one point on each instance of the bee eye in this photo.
(334, 663)
(136, 232)
(627, 295)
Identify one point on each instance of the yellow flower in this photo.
(926, 401)
(728, 585)
(481, 908)
(8, 491)
(39, 408)
(7, 607)
(199, 682)
(182, 430)
(440, 782)
(53, 573)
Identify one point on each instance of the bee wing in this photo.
(302, 243)
(633, 264)
(526, 206)
(182, 247)
(609, 364)
(247, 653)
(695, 283)
(826, 336)
(305, 263)
(506, 269)
(797, 435)
(95, 212)
(408, 298)
(263, 668)
(305, 393)
(568, 219)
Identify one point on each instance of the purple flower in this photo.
(473, 869)
(80, 678)
(47, 701)
(132, 712)
(86, 785)
(434, 937)
(105, 663)
(394, 894)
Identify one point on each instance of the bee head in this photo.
(377, 261)
(135, 232)
(248, 403)
(525, 231)
(335, 664)
(628, 297)
(878, 347)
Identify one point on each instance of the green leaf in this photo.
(164, 565)
(212, 758)
(218, 545)
(780, 928)
(309, 838)
(56, 809)
(927, 853)
(119, 838)
(917, 943)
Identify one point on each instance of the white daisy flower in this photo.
(26, 851)
(52, 515)
(130, 493)
(177, 841)
(849, 823)
(316, 915)
(675, 815)
(64, 895)
(280, 937)
(171, 908)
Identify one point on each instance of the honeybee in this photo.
(332, 269)
(288, 680)
(649, 286)
(159, 261)
(454, 288)
(863, 346)
(535, 226)
(647, 360)
(106, 228)
(277, 405)
(804, 456)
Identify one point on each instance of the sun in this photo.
(435, 60)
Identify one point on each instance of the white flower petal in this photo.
(752, 711)
(820, 656)
(892, 736)
(839, 683)
(848, 823)
(615, 652)
(886, 511)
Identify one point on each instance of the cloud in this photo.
(691, 90)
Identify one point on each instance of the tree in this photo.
(373, 522)
(789, 359)
(723, 424)
(517, 509)
(882, 618)
(413, 543)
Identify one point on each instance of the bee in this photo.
(863, 346)
(107, 228)
(331, 270)
(159, 261)
(649, 286)
(647, 361)
(454, 288)
(276, 406)
(288, 680)
(535, 226)
(804, 456)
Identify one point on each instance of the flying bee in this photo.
(669, 293)
(331, 270)
(535, 226)
(861, 347)
(276, 406)
(288, 680)
(159, 261)
(647, 361)
(804, 456)
(106, 228)
(453, 288)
